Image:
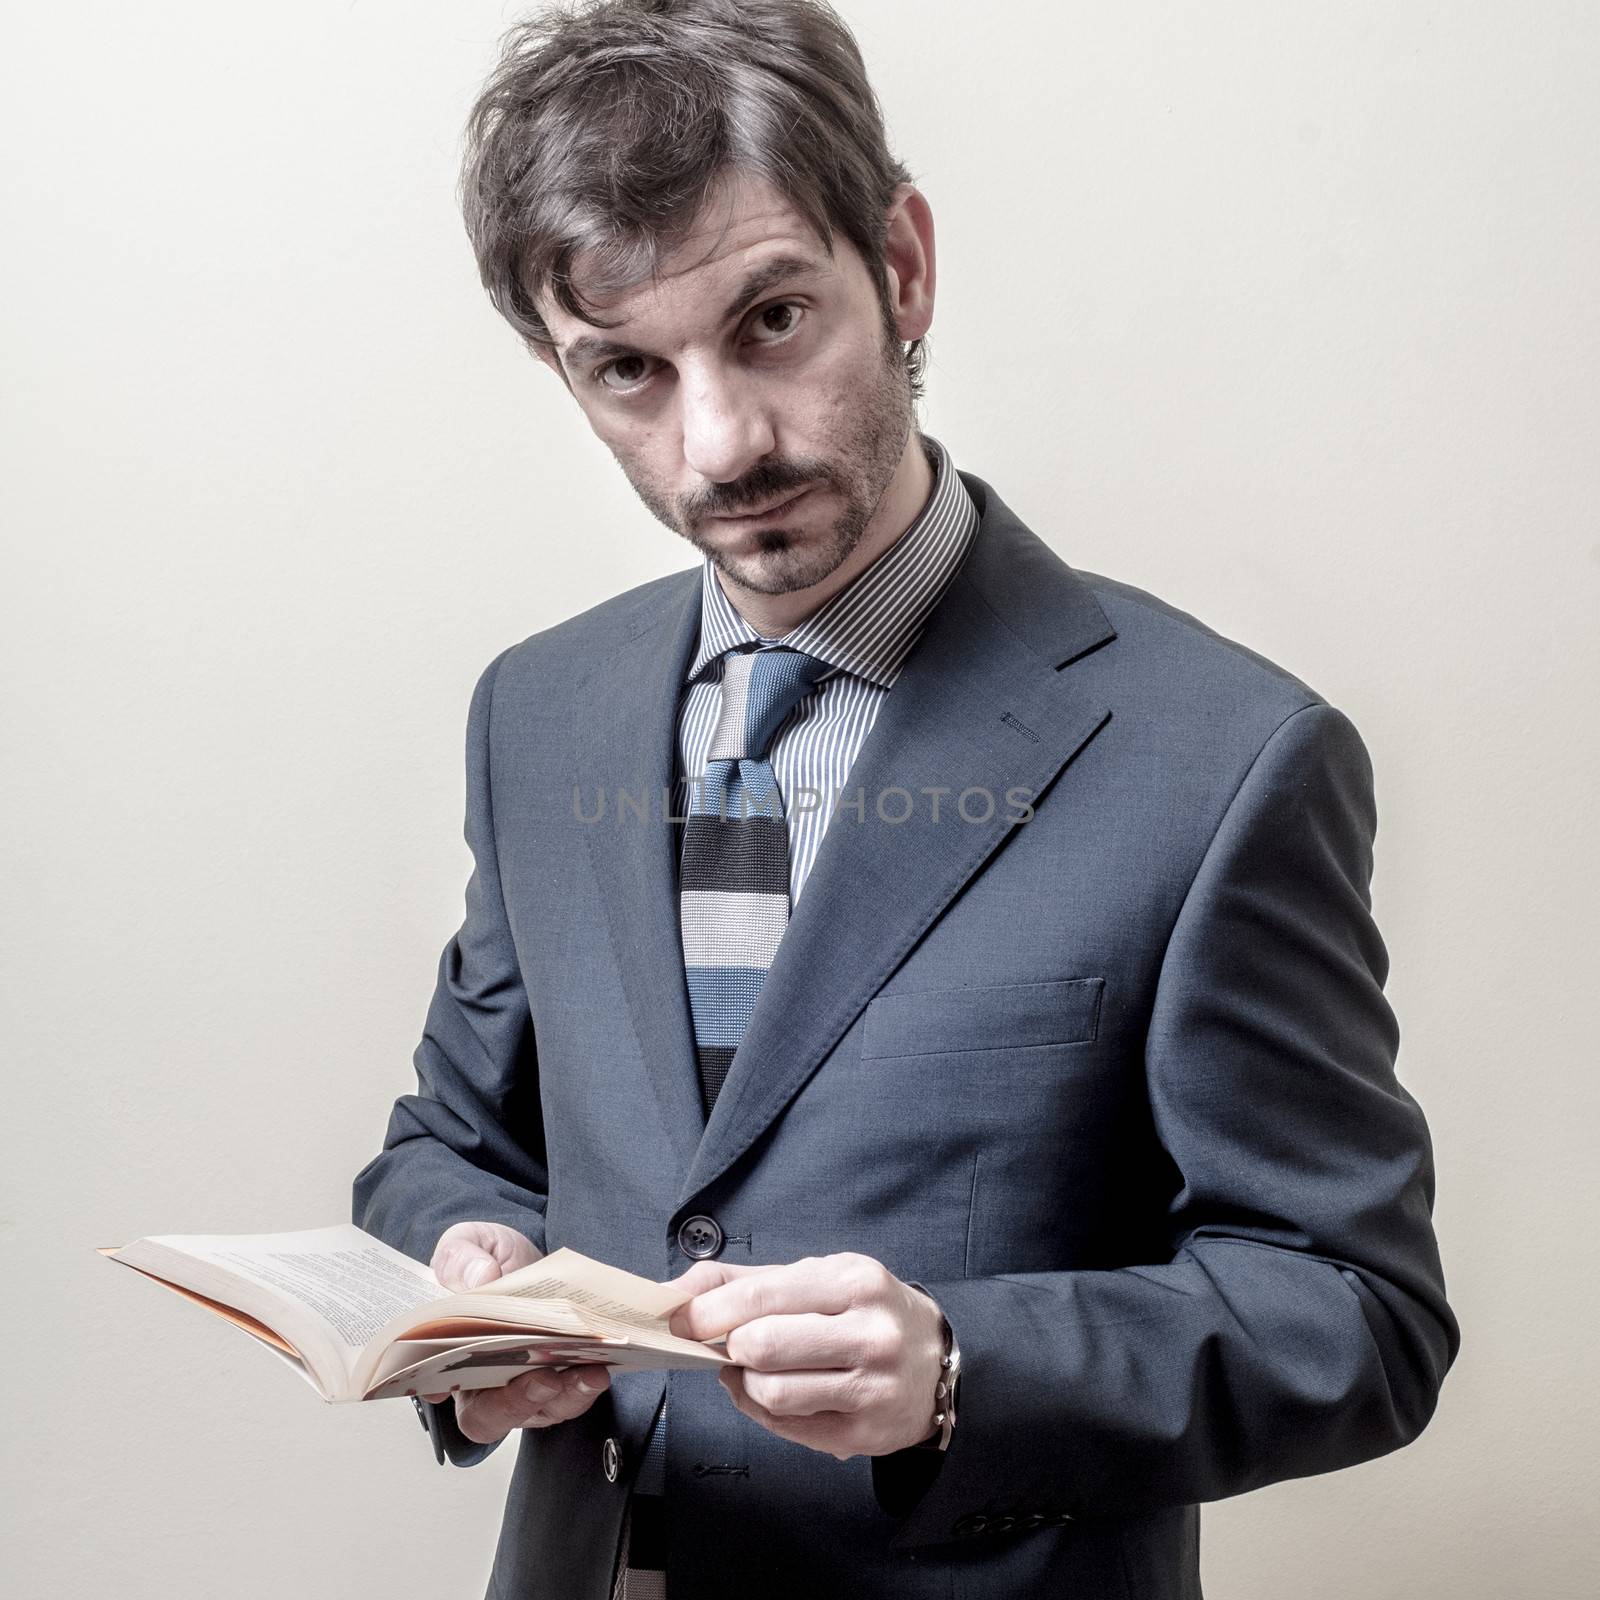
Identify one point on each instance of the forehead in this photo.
(746, 231)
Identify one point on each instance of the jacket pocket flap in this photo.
(993, 1016)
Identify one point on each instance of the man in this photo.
(957, 969)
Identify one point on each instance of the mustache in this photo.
(763, 484)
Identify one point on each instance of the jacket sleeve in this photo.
(469, 1144)
(1300, 1323)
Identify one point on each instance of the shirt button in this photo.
(610, 1460)
(699, 1237)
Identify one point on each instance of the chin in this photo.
(779, 571)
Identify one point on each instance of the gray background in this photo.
(1284, 312)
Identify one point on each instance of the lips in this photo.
(768, 511)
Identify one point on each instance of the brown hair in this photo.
(606, 125)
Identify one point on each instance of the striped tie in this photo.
(734, 881)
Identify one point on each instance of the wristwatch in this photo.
(944, 1393)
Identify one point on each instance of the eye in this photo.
(777, 322)
(631, 372)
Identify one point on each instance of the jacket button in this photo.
(975, 1522)
(699, 1237)
(610, 1460)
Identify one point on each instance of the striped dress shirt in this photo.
(864, 633)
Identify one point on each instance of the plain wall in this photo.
(1285, 312)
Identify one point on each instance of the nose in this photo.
(726, 428)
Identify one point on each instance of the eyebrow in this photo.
(762, 280)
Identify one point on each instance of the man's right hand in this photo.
(467, 1256)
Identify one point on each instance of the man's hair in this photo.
(605, 127)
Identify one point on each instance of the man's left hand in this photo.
(832, 1352)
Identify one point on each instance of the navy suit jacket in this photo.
(1114, 1081)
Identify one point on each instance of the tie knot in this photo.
(759, 689)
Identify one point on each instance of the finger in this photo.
(827, 1284)
(701, 1276)
(705, 1275)
(829, 1431)
(508, 1247)
(804, 1339)
(552, 1395)
(580, 1388)
(465, 1266)
(434, 1399)
(489, 1414)
(479, 1268)
(807, 1394)
(470, 1254)
(450, 1243)
(461, 1252)
(486, 1415)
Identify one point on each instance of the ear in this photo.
(909, 261)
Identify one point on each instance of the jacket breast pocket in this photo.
(991, 1016)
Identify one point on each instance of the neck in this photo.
(773, 615)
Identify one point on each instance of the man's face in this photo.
(757, 400)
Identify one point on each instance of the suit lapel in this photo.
(631, 709)
(981, 703)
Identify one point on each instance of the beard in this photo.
(868, 444)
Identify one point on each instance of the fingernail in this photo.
(589, 1385)
(479, 1272)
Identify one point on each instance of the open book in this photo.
(360, 1321)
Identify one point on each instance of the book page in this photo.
(610, 1298)
(228, 1313)
(352, 1283)
(426, 1366)
(563, 1292)
(484, 1370)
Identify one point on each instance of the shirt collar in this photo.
(870, 625)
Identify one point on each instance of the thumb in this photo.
(701, 1276)
(470, 1254)
(480, 1269)
(464, 1256)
